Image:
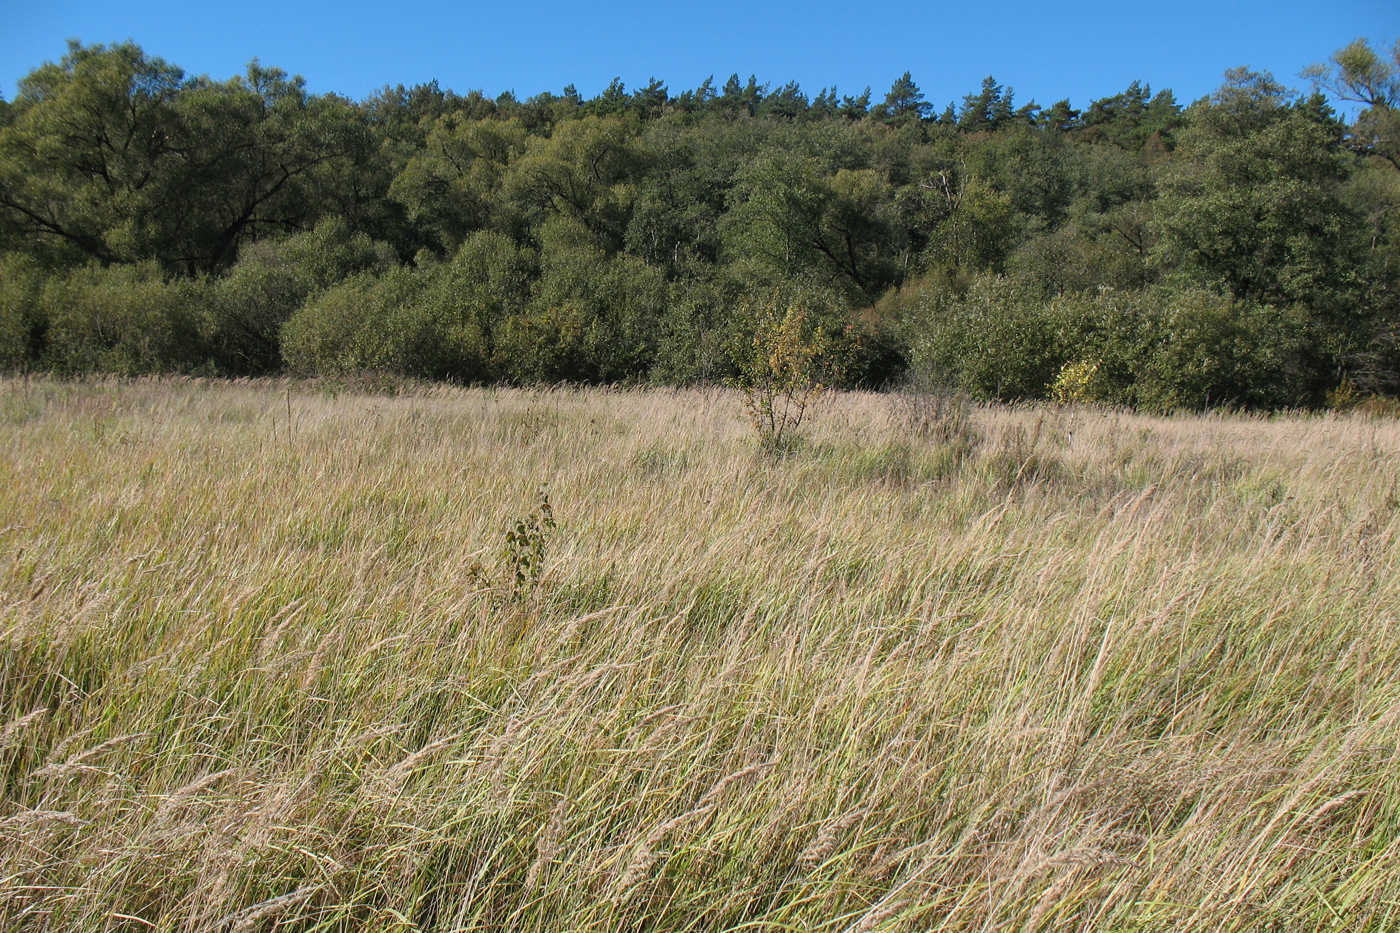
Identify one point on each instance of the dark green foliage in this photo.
(591, 319)
(1060, 117)
(584, 172)
(367, 322)
(995, 340)
(114, 156)
(978, 230)
(84, 154)
(1128, 120)
(470, 298)
(435, 321)
(451, 185)
(23, 328)
(271, 280)
(1255, 204)
(791, 216)
(904, 102)
(787, 102)
(406, 321)
(1243, 251)
(525, 544)
(695, 343)
(1159, 349)
(126, 319)
(1033, 169)
(1163, 349)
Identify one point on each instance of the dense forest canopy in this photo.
(1243, 249)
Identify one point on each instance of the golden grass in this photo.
(1107, 672)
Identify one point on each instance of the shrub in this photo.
(1217, 350)
(591, 319)
(22, 324)
(467, 300)
(525, 545)
(1379, 406)
(994, 341)
(694, 342)
(271, 280)
(558, 343)
(522, 554)
(1159, 348)
(1344, 396)
(791, 364)
(1168, 348)
(123, 319)
(436, 321)
(1077, 383)
(366, 322)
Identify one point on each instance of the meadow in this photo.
(307, 656)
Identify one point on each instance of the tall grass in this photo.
(264, 664)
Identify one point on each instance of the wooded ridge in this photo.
(1242, 250)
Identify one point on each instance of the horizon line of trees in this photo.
(1244, 249)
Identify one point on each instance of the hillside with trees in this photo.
(1243, 249)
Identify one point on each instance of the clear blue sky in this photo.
(1044, 50)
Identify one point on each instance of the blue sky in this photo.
(1044, 50)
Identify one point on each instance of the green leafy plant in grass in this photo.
(522, 553)
(525, 546)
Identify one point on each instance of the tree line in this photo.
(1242, 249)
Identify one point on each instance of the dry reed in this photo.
(1094, 671)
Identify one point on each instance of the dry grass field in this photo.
(344, 671)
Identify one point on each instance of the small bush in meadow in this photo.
(1077, 383)
(791, 364)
